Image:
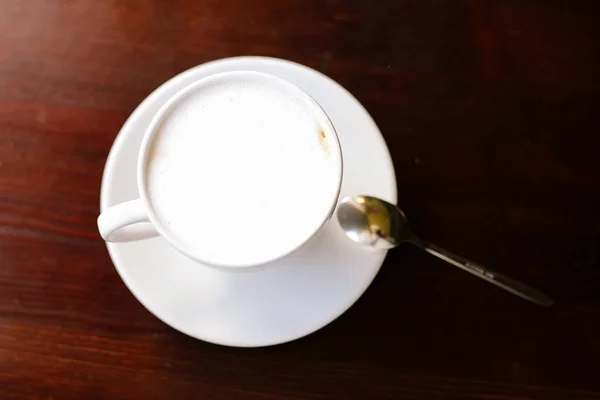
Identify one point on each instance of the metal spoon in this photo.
(373, 222)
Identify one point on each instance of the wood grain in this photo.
(490, 110)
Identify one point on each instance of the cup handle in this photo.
(126, 222)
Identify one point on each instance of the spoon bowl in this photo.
(373, 222)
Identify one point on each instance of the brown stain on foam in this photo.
(152, 152)
(323, 140)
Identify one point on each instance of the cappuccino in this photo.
(242, 170)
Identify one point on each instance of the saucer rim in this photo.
(375, 134)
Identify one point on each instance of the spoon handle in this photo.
(503, 281)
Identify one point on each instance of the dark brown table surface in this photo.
(491, 113)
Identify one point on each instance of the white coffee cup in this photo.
(147, 216)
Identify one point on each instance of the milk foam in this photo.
(241, 172)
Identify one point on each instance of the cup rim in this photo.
(163, 112)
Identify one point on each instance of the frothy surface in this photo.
(239, 173)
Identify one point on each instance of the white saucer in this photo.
(298, 294)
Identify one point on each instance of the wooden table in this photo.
(491, 113)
